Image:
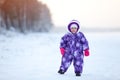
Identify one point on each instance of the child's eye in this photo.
(74, 28)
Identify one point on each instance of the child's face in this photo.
(73, 29)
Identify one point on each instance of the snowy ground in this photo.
(36, 56)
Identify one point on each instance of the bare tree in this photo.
(25, 15)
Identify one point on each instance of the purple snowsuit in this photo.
(74, 45)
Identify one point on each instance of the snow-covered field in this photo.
(36, 56)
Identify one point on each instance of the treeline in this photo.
(25, 15)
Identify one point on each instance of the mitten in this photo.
(86, 52)
(62, 50)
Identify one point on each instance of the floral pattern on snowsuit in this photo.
(74, 45)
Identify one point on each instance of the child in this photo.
(73, 47)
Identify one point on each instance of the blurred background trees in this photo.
(25, 15)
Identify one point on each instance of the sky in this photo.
(90, 13)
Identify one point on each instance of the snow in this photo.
(36, 56)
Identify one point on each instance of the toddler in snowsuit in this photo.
(73, 47)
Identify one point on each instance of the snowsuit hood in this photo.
(75, 22)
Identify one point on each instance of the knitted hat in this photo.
(73, 23)
(73, 26)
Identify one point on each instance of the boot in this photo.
(61, 71)
(78, 74)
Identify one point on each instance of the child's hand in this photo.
(86, 52)
(62, 50)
